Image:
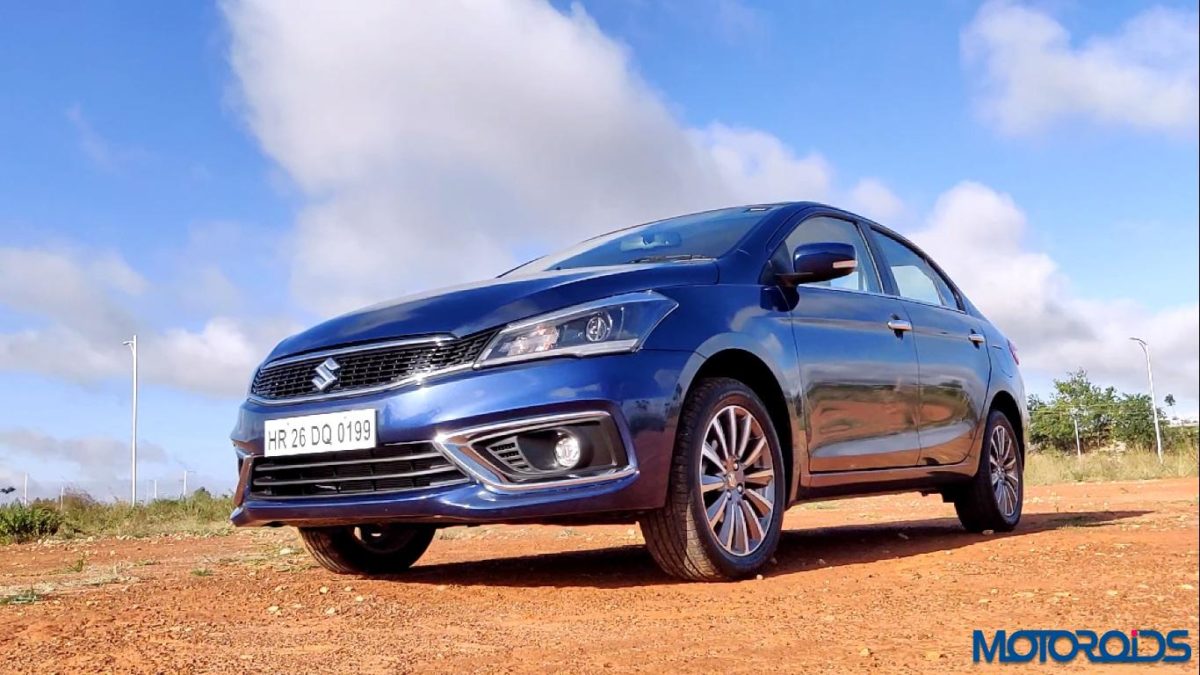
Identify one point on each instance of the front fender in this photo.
(752, 321)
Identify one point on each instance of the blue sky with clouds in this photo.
(217, 176)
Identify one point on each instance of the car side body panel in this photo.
(859, 381)
(954, 374)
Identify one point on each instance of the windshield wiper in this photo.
(669, 258)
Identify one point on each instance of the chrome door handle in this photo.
(899, 325)
(976, 338)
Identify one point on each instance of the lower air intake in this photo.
(387, 468)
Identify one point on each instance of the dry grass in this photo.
(199, 513)
(82, 516)
(26, 596)
(1047, 468)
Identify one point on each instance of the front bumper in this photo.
(641, 393)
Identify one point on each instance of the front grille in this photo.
(387, 468)
(365, 367)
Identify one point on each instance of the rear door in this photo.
(859, 374)
(952, 354)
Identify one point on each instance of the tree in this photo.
(1105, 416)
(1131, 424)
(1075, 399)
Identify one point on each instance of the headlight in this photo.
(617, 324)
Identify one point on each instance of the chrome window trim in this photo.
(456, 446)
(931, 304)
(411, 379)
(844, 290)
(884, 295)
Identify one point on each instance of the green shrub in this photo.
(198, 513)
(79, 514)
(19, 522)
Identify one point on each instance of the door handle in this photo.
(976, 338)
(899, 325)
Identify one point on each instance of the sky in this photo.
(215, 177)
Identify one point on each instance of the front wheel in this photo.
(995, 496)
(367, 549)
(724, 510)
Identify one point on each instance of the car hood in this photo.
(469, 308)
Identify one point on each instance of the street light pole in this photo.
(132, 344)
(1153, 401)
(1078, 446)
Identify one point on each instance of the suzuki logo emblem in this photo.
(326, 374)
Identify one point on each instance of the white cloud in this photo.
(80, 302)
(63, 352)
(218, 359)
(872, 198)
(495, 125)
(1144, 76)
(734, 21)
(977, 235)
(95, 455)
(96, 466)
(102, 152)
(72, 287)
(755, 166)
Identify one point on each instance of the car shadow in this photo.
(799, 550)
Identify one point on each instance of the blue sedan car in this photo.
(697, 375)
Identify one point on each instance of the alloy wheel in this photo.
(737, 480)
(1002, 455)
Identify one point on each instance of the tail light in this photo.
(1012, 349)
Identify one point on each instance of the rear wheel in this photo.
(367, 549)
(994, 498)
(724, 510)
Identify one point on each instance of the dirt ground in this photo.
(889, 584)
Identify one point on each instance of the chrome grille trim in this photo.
(287, 380)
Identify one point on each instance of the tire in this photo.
(367, 549)
(982, 504)
(679, 535)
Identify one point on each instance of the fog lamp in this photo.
(567, 451)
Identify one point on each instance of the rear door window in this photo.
(915, 278)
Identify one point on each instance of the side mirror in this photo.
(820, 262)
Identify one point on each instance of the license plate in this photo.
(328, 432)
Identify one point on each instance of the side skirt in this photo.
(846, 484)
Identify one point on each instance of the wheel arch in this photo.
(753, 371)
(1004, 402)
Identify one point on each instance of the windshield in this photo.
(699, 236)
